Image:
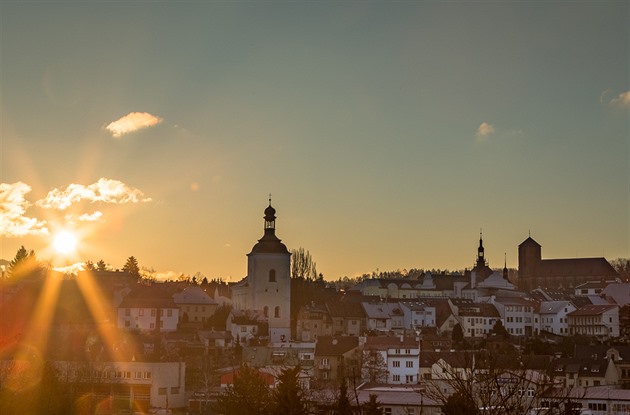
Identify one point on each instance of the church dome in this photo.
(269, 243)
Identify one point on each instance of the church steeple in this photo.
(270, 243)
(270, 217)
(481, 260)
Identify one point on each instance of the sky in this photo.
(387, 133)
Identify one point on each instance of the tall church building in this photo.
(267, 286)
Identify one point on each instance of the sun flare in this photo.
(65, 242)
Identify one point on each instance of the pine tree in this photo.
(248, 396)
(342, 405)
(372, 407)
(289, 398)
(101, 265)
(23, 264)
(131, 267)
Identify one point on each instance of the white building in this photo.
(129, 385)
(595, 320)
(517, 314)
(267, 286)
(401, 354)
(146, 313)
(553, 317)
(417, 315)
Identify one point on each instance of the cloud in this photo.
(86, 217)
(13, 206)
(131, 122)
(484, 131)
(104, 190)
(623, 100)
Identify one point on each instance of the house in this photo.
(348, 317)
(146, 308)
(331, 352)
(313, 320)
(600, 321)
(574, 372)
(417, 315)
(195, 306)
(246, 325)
(383, 317)
(475, 319)
(517, 314)
(400, 354)
(619, 355)
(128, 385)
(400, 399)
(552, 317)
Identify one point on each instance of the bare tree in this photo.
(480, 383)
(302, 265)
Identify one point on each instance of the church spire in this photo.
(270, 217)
(481, 261)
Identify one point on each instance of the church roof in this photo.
(529, 241)
(269, 244)
(576, 267)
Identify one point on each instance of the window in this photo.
(396, 363)
(152, 326)
(272, 275)
(387, 411)
(266, 311)
(161, 391)
(175, 391)
(127, 324)
(409, 378)
(169, 313)
(141, 312)
(153, 312)
(409, 364)
(127, 312)
(147, 375)
(276, 312)
(396, 378)
(325, 361)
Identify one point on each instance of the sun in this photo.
(65, 242)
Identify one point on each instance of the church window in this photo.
(272, 275)
(276, 312)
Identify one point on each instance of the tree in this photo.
(342, 403)
(458, 404)
(500, 384)
(373, 367)
(500, 330)
(458, 333)
(89, 266)
(289, 397)
(302, 265)
(23, 264)
(131, 267)
(249, 395)
(101, 265)
(372, 407)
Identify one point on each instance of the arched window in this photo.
(276, 312)
(266, 311)
(272, 275)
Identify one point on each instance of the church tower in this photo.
(269, 279)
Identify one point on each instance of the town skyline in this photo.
(387, 134)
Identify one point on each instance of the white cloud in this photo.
(104, 190)
(86, 217)
(131, 122)
(623, 100)
(13, 206)
(484, 131)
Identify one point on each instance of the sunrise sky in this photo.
(388, 133)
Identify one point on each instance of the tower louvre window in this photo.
(272, 275)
